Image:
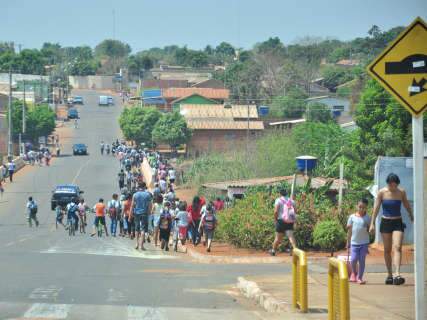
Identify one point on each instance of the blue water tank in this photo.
(263, 110)
(306, 163)
(336, 113)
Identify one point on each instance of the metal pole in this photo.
(247, 134)
(10, 145)
(20, 144)
(24, 124)
(418, 156)
(340, 186)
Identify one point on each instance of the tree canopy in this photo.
(171, 129)
(137, 123)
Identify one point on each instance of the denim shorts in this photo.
(141, 222)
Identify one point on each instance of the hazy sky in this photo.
(196, 23)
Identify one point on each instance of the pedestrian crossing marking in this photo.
(48, 311)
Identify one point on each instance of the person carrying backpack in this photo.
(114, 210)
(72, 210)
(32, 212)
(208, 223)
(284, 216)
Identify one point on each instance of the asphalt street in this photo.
(46, 274)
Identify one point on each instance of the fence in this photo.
(338, 291)
(299, 280)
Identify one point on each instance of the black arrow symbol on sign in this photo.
(417, 87)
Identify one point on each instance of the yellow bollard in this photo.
(299, 280)
(338, 290)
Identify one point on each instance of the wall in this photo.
(204, 141)
(194, 99)
(330, 101)
(92, 82)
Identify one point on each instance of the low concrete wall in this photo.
(92, 82)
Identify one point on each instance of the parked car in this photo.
(103, 101)
(110, 101)
(70, 101)
(78, 100)
(79, 149)
(63, 194)
(73, 113)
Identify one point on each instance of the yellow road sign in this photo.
(402, 68)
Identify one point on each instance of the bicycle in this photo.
(100, 228)
(71, 224)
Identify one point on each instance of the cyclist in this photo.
(100, 211)
(72, 210)
(59, 215)
(102, 146)
(76, 124)
(32, 212)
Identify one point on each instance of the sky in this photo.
(196, 23)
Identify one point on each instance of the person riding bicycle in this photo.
(72, 210)
(100, 211)
(59, 215)
(102, 146)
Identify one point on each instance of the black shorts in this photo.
(282, 227)
(390, 225)
(99, 220)
(165, 234)
(141, 222)
(171, 180)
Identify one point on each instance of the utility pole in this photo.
(10, 145)
(24, 124)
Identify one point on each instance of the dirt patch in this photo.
(185, 194)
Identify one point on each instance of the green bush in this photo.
(304, 228)
(249, 224)
(329, 235)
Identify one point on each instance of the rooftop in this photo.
(224, 124)
(219, 111)
(316, 182)
(210, 93)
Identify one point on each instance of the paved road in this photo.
(45, 274)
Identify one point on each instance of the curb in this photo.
(202, 258)
(251, 291)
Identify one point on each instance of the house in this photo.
(210, 83)
(163, 84)
(236, 189)
(153, 97)
(195, 99)
(338, 106)
(220, 135)
(193, 76)
(174, 96)
(219, 112)
(348, 63)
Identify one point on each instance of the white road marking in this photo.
(9, 244)
(108, 247)
(115, 295)
(45, 293)
(80, 171)
(146, 313)
(45, 310)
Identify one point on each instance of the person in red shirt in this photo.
(194, 209)
(218, 204)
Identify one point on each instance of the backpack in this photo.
(72, 209)
(288, 211)
(209, 221)
(33, 208)
(112, 210)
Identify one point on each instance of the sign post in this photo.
(402, 70)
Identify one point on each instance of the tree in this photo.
(334, 76)
(318, 112)
(40, 121)
(171, 129)
(112, 49)
(137, 123)
(292, 105)
(139, 62)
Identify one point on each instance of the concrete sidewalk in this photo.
(374, 300)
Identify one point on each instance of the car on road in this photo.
(80, 149)
(78, 100)
(110, 101)
(103, 101)
(73, 113)
(64, 194)
(70, 101)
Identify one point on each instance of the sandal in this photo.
(389, 280)
(397, 281)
